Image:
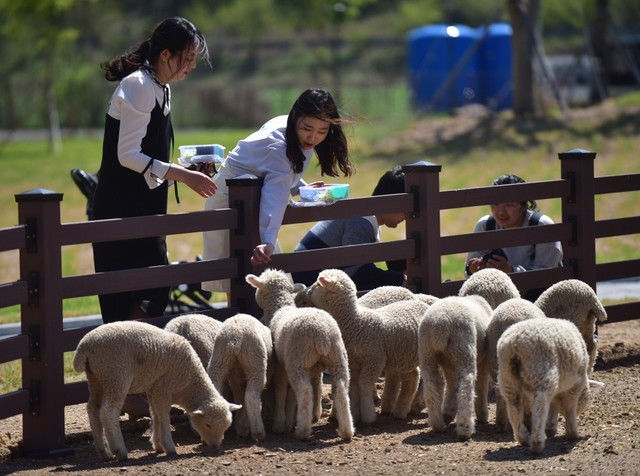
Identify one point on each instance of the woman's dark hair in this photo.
(333, 153)
(392, 181)
(175, 34)
(506, 179)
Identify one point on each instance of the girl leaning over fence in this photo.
(280, 152)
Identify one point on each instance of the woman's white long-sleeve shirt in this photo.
(264, 154)
(131, 104)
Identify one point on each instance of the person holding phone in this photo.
(514, 259)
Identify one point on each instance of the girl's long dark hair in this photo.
(333, 152)
(175, 34)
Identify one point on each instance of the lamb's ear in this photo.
(253, 280)
(595, 386)
(324, 282)
(233, 407)
(297, 287)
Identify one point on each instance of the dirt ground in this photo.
(609, 440)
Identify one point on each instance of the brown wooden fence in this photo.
(41, 289)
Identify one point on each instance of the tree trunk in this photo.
(523, 14)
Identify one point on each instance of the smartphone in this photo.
(494, 252)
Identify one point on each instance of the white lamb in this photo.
(492, 284)
(200, 330)
(452, 340)
(134, 357)
(380, 297)
(383, 295)
(575, 301)
(377, 340)
(506, 314)
(242, 359)
(543, 369)
(306, 341)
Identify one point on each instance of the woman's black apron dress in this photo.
(122, 193)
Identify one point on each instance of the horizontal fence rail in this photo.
(41, 289)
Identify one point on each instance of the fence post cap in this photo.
(577, 153)
(422, 166)
(245, 180)
(39, 195)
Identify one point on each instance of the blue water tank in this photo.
(495, 66)
(443, 69)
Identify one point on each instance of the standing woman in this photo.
(136, 157)
(280, 152)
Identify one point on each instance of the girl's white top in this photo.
(131, 104)
(264, 154)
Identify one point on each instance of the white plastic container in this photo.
(199, 154)
(328, 193)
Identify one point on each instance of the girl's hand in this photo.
(196, 181)
(476, 264)
(501, 263)
(262, 254)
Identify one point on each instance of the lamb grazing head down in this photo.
(543, 371)
(127, 357)
(492, 284)
(452, 357)
(575, 301)
(502, 317)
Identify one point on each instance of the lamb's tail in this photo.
(598, 310)
(80, 360)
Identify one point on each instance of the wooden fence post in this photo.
(244, 194)
(577, 166)
(424, 273)
(43, 370)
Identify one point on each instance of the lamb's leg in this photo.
(316, 382)
(341, 404)
(391, 391)
(433, 389)
(482, 391)
(160, 406)
(368, 377)
(551, 426)
(253, 403)
(300, 381)
(570, 411)
(539, 414)
(93, 412)
(515, 412)
(237, 385)
(418, 403)
(354, 393)
(450, 404)
(408, 391)
(291, 406)
(502, 420)
(109, 415)
(465, 424)
(280, 385)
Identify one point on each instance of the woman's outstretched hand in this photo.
(262, 254)
(196, 181)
